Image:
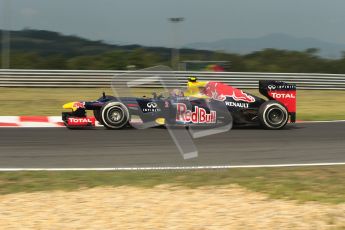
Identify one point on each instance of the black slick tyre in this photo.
(114, 115)
(273, 115)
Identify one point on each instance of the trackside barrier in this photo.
(102, 78)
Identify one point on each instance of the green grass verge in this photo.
(311, 105)
(322, 184)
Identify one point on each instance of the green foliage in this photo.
(38, 49)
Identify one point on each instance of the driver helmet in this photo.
(192, 79)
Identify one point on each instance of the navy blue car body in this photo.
(221, 104)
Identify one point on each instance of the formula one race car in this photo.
(201, 104)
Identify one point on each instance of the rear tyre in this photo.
(273, 115)
(115, 115)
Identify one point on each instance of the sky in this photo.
(146, 22)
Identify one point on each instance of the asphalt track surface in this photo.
(62, 148)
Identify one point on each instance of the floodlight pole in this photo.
(175, 53)
(5, 36)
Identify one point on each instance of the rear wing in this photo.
(282, 92)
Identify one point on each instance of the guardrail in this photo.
(93, 78)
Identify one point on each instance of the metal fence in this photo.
(90, 78)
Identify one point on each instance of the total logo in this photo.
(74, 121)
(199, 115)
(237, 104)
(282, 95)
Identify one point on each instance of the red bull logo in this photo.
(198, 116)
(220, 92)
(78, 105)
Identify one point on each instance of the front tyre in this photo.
(97, 115)
(115, 115)
(273, 115)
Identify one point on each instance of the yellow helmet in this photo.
(192, 79)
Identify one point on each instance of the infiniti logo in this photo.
(271, 87)
(151, 105)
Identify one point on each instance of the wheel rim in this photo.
(115, 116)
(275, 116)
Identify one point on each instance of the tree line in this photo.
(269, 60)
(36, 49)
